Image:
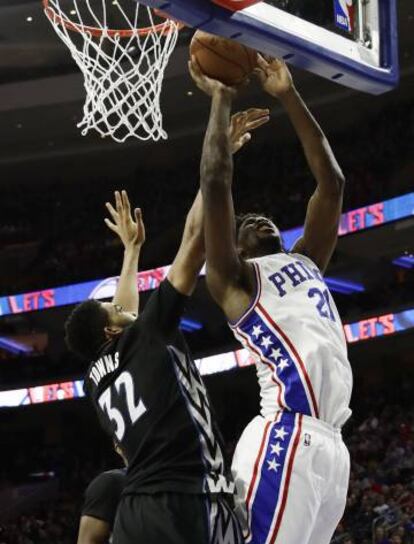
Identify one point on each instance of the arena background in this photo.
(54, 183)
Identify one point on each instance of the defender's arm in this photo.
(325, 205)
(189, 260)
(132, 234)
(93, 531)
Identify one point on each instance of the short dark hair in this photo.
(84, 329)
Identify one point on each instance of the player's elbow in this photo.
(338, 185)
(340, 180)
(334, 189)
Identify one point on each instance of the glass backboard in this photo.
(352, 42)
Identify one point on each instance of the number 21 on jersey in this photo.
(323, 302)
(124, 383)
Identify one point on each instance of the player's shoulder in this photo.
(278, 260)
(108, 482)
(305, 259)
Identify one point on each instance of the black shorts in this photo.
(173, 518)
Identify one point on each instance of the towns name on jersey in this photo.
(292, 275)
(104, 366)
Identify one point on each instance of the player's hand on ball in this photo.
(205, 83)
(130, 229)
(243, 123)
(274, 76)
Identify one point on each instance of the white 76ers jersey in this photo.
(294, 331)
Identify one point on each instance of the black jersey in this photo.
(150, 397)
(103, 494)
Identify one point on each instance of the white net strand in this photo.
(123, 75)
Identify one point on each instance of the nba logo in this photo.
(307, 439)
(344, 14)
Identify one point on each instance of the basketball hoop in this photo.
(123, 65)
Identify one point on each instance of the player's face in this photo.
(258, 236)
(118, 317)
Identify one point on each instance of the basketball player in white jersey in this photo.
(291, 465)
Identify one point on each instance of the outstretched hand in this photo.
(207, 84)
(243, 123)
(130, 229)
(274, 76)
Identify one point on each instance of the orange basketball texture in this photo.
(220, 58)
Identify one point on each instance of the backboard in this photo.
(352, 42)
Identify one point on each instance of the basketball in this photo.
(220, 58)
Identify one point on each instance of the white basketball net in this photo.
(123, 71)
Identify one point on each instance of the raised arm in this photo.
(216, 178)
(325, 205)
(229, 278)
(131, 231)
(191, 254)
(189, 260)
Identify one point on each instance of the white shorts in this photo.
(292, 479)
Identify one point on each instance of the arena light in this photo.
(343, 286)
(353, 221)
(190, 325)
(367, 217)
(405, 261)
(12, 346)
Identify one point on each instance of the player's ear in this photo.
(242, 254)
(112, 332)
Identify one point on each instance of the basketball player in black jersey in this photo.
(149, 395)
(100, 504)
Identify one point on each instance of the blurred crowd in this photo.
(63, 238)
(380, 506)
(50, 524)
(56, 519)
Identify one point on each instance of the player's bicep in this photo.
(187, 264)
(93, 531)
(321, 228)
(185, 269)
(223, 262)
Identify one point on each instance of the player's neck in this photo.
(263, 251)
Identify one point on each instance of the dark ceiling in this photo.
(41, 95)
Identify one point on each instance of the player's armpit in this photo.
(234, 297)
(321, 226)
(93, 531)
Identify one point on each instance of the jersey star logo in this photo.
(276, 448)
(283, 364)
(257, 331)
(273, 465)
(276, 354)
(266, 342)
(280, 433)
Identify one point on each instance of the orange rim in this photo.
(161, 28)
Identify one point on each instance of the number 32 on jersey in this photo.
(123, 384)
